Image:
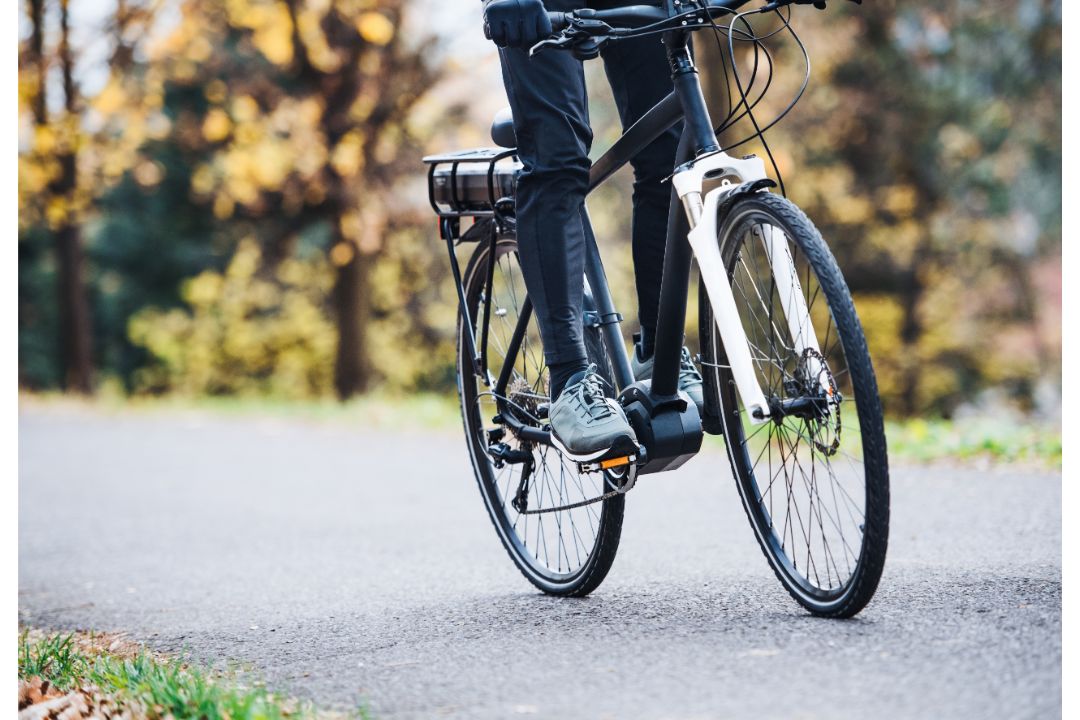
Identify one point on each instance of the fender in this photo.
(728, 199)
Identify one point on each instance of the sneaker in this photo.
(587, 425)
(690, 380)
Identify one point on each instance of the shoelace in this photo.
(688, 372)
(589, 392)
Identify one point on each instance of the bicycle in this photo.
(788, 378)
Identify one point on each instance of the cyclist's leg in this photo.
(639, 76)
(550, 107)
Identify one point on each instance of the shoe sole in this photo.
(621, 447)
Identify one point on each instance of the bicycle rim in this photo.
(815, 489)
(562, 551)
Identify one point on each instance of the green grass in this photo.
(993, 439)
(167, 687)
(986, 440)
(421, 411)
(1005, 440)
(53, 658)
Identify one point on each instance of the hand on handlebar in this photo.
(526, 23)
(516, 23)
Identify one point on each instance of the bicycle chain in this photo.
(582, 503)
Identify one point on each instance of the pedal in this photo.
(622, 470)
(607, 463)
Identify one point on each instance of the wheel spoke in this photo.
(803, 474)
(556, 544)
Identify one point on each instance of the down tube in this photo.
(671, 318)
(605, 306)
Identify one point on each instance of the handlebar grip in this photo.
(559, 21)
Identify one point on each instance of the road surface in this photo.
(355, 566)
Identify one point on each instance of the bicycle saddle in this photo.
(502, 129)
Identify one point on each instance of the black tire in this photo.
(860, 455)
(600, 523)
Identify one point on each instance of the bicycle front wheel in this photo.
(814, 483)
(546, 512)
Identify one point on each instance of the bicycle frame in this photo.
(689, 217)
(693, 221)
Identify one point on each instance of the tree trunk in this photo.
(352, 308)
(75, 329)
(37, 52)
(76, 356)
(911, 329)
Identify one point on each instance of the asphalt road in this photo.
(356, 566)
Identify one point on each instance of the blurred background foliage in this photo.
(224, 197)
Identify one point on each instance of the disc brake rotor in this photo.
(816, 378)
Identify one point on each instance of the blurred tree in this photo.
(67, 143)
(287, 132)
(244, 334)
(56, 186)
(302, 123)
(928, 151)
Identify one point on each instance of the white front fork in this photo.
(702, 215)
(793, 301)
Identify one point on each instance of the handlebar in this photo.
(627, 16)
(587, 26)
(630, 16)
(577, 28)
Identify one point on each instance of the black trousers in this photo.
(551, 119)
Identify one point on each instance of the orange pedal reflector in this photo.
(615, 462)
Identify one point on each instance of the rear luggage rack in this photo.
(469, 183)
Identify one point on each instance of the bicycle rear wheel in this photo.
(561, 552)
(814, 485)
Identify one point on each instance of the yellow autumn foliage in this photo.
(243, 333)
(375, 28)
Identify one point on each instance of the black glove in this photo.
(516, 23)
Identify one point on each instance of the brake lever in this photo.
(581, 29)
(562, 41)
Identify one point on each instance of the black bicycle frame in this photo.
(685, 103)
